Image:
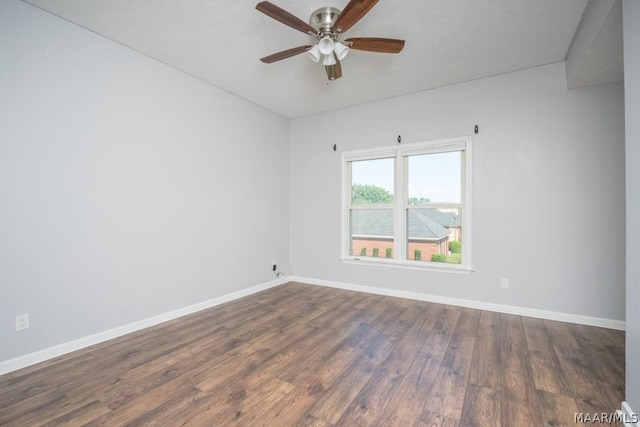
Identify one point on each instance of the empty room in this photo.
(327, 213)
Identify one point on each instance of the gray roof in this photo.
(424, 223)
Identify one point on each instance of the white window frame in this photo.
(400, 154)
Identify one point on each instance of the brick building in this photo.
(430, 231)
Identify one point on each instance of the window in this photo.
(409, 205)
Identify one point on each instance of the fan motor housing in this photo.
(324, 18)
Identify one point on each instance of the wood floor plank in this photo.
(331, 406)
(243, 401)
(486, 361)
(545, 366)
(481, 407)
(310, 385)
(557, 410)
(407, 404)
(604, 402)
(79, 416)
(519, 404)
(446, 400)
(434, 419)
(300, 354)
(45, 379)
(594, 394)
(369, 404)
(311, 354)
(592, 335)
(39, 403)
(559, 333)
(578, 369)
(178, 409)
(607, 357)
(411, 342)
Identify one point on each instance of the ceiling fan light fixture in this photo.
(326, 26)
(314, 53)
(329, 59)
(326, 45)
(340, 50)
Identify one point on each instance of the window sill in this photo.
(446, 268)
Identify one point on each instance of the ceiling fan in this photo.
(326, 25)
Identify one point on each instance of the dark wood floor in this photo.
(309, 355)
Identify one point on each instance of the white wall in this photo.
(548, 190)
(631, 11)
(127, 189)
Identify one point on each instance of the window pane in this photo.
(434, 178)
(434, 235)
(372, 182)
(371, 233)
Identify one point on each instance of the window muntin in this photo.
(429, 216)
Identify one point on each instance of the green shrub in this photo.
(387, 253)
(455, 247)
(376, 252)
(438, 258)
(454, 259)
(363, 252)
(417, 254)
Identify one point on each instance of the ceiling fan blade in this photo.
(334, 71)
(285, 54)
(352, 13)
(285, 17)
(376, 44)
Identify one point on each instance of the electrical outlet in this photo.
(274, 267)
(505, 283)
(22, 322)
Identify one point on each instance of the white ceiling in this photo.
(447, 42)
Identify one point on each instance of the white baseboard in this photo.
(78, 344)
(630, 418)
(500, 308)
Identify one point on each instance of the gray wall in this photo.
(632, 113)
(127, 189)
(548, 190)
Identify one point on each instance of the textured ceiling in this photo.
(447, 42)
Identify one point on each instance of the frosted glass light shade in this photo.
(328, 59)
(325, 45)
(314, 53)
(340, 50)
